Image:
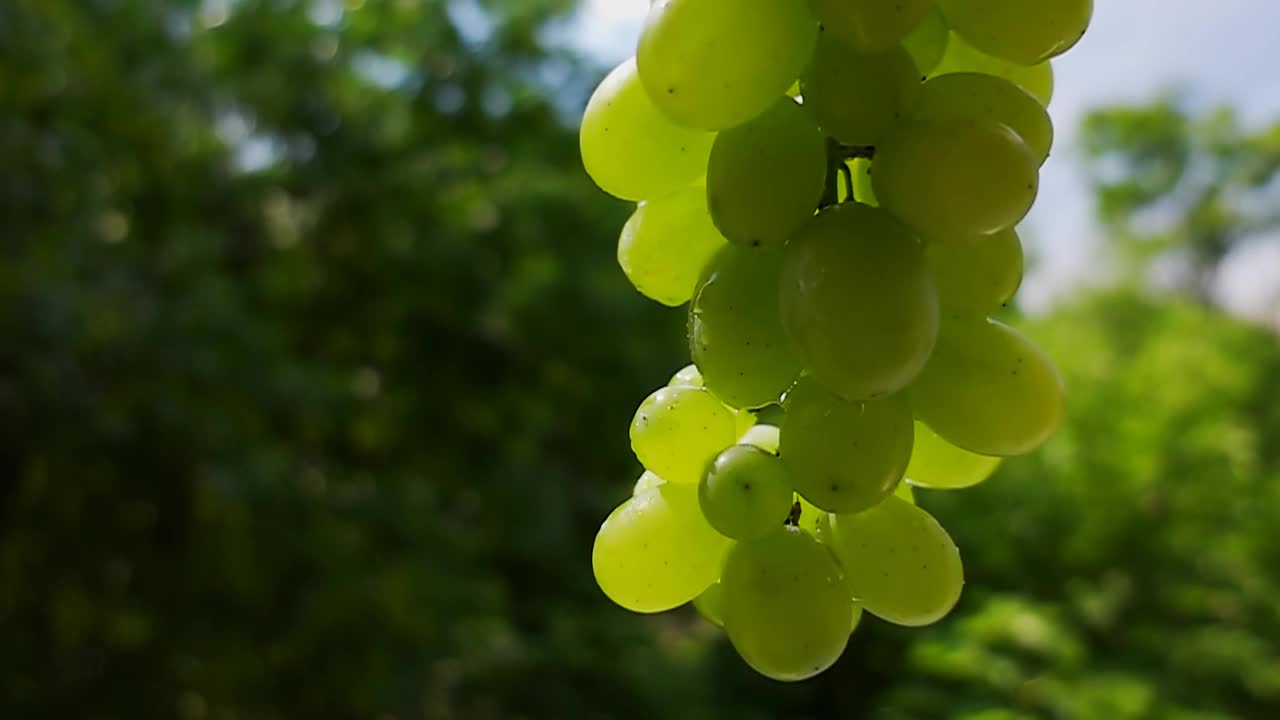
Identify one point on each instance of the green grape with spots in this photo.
(785, 604)
(856, 97)
(677, 431)
(845, 456)
(978, 276)
(989, 389)
(666, 244)
(656, 552)
(765, 177)
(746, 493)
(715, 64)
(955, 177)
(858, 301)
(937, 464)
(735, 330)
(988, 98)
(899, 563)
(630, 149)
(1021, 32)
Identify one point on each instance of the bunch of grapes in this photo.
(832, 186)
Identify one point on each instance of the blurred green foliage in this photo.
(316, 375)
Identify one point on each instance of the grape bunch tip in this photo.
(833, 190)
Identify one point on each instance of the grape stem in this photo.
(837, 156)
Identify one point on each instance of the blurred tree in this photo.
(307, 308)
(1176, 185)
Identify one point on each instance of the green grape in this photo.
(647, 481)
(928, 42)
(858, 301)
(863, 192)
(745, 493)
(630, 149)
(735, 331)
(715, 64)
(689, 376)
(666, 244)
(988, 98)
(677, 431)
(708, 605)
(765, 177)
(899, 562)
(845, 456)
(857, 618)
(765, 437)
(858, 97)
(955, 177)
(1023, 32)
(905, 493)
(744, 420)
(963, 58)
(936, 463)
(655, 552)
(785, 604)
(871, 25)
(976, 276)
(771, 414)
(988, 389)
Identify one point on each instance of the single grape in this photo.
(688, 376)
(630, 149)
(785, 605)
(766, 177)
(899, 562)
(845, 456)
(857, 97)
(936, 463)
(715, 64)
(871, 25)
(976, 276)
(955, 177)
(647, 481)
(1019, 31)
(927, 43)
(735, 330)
(745, 493)
(988, 389)
(656, 552)
(765, 437)
(677, 431)
(858, 301)
(963, 58)
(988, 98)
(708, 605)
(666, 244)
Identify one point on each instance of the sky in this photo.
(1225, 51)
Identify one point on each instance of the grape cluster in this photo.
(832, 186)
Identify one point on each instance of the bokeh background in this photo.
(317, 367)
